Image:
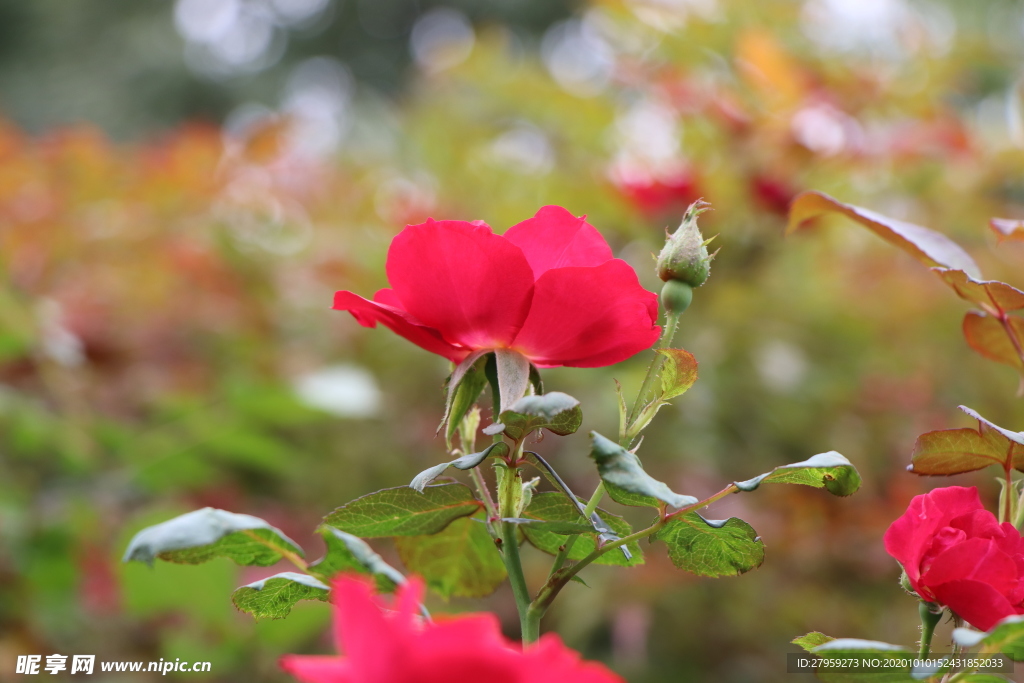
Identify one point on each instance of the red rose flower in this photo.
(548, 288)
(400, 648)
(957, 554)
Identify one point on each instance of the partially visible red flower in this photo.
(548, 288)
(657, 195)
(400, 648)
(772, 194)
(957, 554)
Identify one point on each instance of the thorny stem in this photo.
(559, 575)
(563, 553)
(929, 619)
(557, 581)
(510, 551)
(485, 493)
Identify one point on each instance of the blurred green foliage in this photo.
(166, 340)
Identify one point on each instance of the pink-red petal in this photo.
(554, 238)
(472, 286)
(977, 559)
(317, 668)
(383, 310)
(909, 537)
(588, 317)
(978, 603)
(549, 661)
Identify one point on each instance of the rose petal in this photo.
(317, 669)
(979, 524)
(977, 559)
(910, 536)
(472, 286)
(944, 539)
(554, 238)
(979, 604)
(368, 313)
(588, 317)
(549, 661)
(362, 632)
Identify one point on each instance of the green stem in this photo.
(485, 493)
(563, 554)
(510, 552)
(559, 575)
(929, 619)
(671, 325)
(514, 566)
(557, 581)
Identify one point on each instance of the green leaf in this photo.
(466, 462)
(535, 380)
(812, 640)
(513, 373)
(604, 531)
(623, 411)
(829, 470)
(468, 428)
(205, 534)
(403, 511)
(348, 553)
(554, 527)
(460, 561)
(625, 479)
(556, 412)
(984, 678)
(552, 506)
(853, 648)
(954, 451)
(464, 387)
(678, 374)
(929, 247)
(1007, 637)
(711, 547)
(274, 597)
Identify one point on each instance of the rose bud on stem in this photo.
(684, 264)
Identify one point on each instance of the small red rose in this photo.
(398, 647)
(548, 288)
(956, 553)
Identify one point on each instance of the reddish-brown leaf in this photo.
(994, 296)
(987, 335)
(678, 374)
(1007, 228)
(955, 451)
(929, 247)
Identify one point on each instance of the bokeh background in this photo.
(184, 185)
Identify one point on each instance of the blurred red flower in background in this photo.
(548, 288)
(399, 648)
(656, 195)
(957, 554)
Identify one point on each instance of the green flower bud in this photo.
(676, 296)
(685, 256)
